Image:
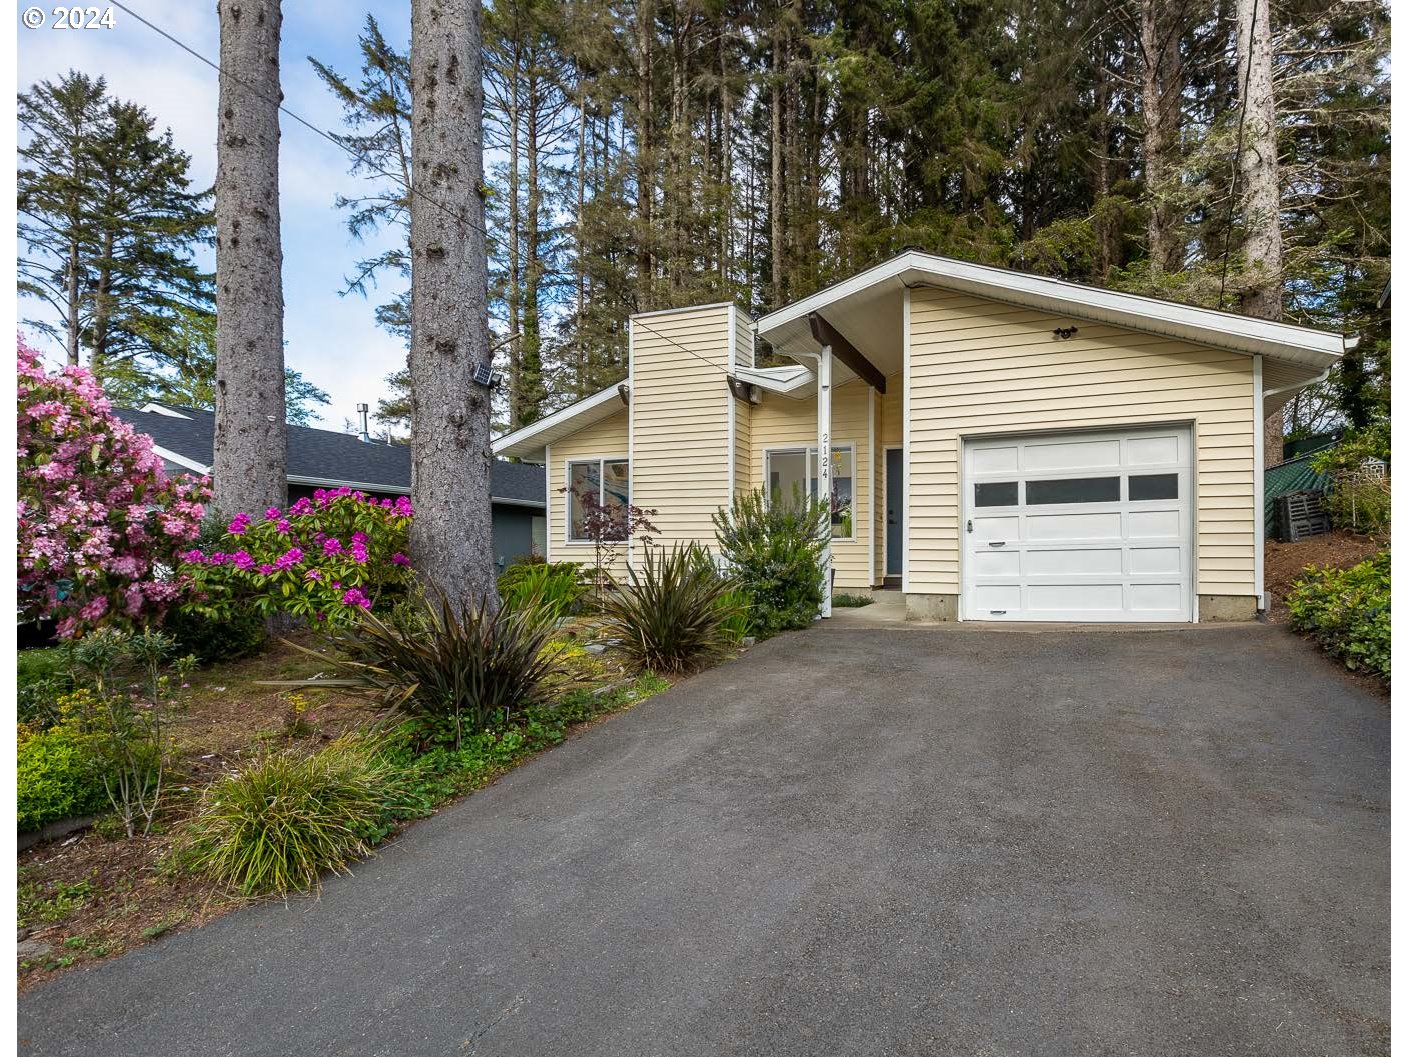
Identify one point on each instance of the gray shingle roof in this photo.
(325, 457)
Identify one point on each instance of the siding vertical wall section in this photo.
(681, 447)
(605, 439)
(978, 368)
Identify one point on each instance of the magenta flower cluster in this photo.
(326, 557)
(100, 525)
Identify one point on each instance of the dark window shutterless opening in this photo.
(1154, 486)
(996, 493)
(1074, 490)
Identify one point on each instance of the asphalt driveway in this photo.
(850, 841)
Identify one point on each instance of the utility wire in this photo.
(304, 122)
(1237, 156)
(362, 158)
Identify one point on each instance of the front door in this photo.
(895, 511)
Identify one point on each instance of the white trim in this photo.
(179, 460)
(163, 410)
(824, 470)
(1206, 326)
(682, 308)
(732, 456)
(505, 501)
(905, 474)
(871, 492)
(1259, 458)
(548, 502)
(793, 381)
(630, 431)
(568, 462)
(560, 417)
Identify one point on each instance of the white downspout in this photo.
(1259, 471)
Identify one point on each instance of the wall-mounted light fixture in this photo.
(1063, 333)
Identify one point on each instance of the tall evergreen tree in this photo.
(251, 445)
(110, 226)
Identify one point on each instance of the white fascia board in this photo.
(1137, 312)
(786, 381)
(180, 460)
(522, 441)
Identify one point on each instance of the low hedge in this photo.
(1347, 610)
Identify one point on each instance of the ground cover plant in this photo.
(1348, 612)
(845, 601)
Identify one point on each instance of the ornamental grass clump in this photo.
(676, 613)
(456, 670)
(290, 817)
(552, 588)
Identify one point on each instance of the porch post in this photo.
(824, 467)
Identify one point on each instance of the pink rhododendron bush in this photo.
(100, 523)
(324, 559)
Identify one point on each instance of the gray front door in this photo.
(895, 511)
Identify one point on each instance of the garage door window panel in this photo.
(996, 493)
(1073, 490)
(1151, 486)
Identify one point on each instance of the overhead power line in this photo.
(454, 215)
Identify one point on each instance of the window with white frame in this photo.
(608, 482)
(792, 474)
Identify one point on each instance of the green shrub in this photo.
(240, 633)
(846, 601)
(457, 670)
(59, 774)
(280, 824)
(41, 678)
(1359, 504)
(734, 605)
(553, 589)
(672, 614)
(773, 551)
(1348, 612)
(1371, 442)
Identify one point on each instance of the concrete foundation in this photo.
(931, 608)
(1215, 608)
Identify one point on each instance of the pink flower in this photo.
(354, 596)
(332, 546)
(265, 569)
(400, 559)
(243, 560)
(238, 524)
(313, 574)
(273, 514)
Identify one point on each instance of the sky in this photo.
(333, 340)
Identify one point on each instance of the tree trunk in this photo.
(1161, 34)
(450, 444)
(1259, 175)
(775, 187)
(645, 178)
(514, 295)
(251, 458)
(530, 394)
(71, 296)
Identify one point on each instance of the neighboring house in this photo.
(1002, 446)
(320, 458)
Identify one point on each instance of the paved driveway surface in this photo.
(897, 841)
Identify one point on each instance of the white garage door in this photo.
(1079, 526)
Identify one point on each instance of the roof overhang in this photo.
(867, 309)
(530, 441)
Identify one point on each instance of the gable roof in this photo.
(529, 441)
(1297, 354)
(322, 458)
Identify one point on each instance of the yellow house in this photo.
(1002, 446)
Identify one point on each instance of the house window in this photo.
(792, 474)
(606, 480)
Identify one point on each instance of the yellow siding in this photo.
(605, 439)
(890, 432)
(680, 420)
(978, 367)
(743, 447)
(779, 422)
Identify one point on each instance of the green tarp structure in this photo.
(1294, 475)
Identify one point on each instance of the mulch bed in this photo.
(95, 894)
(1284, 562)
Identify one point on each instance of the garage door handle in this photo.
(1000, 543)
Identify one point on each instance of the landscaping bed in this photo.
(1284, 562)
(97, 893)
